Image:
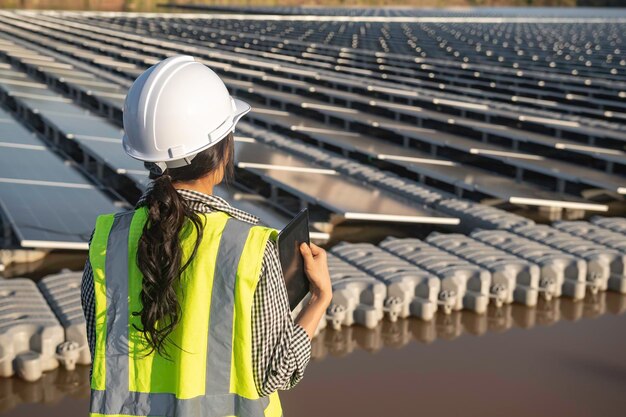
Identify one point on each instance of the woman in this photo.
(187, 311)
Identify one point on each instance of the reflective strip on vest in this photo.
(113, 396)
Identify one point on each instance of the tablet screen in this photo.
(289, 240)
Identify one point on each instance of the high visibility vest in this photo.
(210, 373)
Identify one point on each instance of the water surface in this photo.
(559, 359)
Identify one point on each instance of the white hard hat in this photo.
(176, 109)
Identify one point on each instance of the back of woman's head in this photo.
(159, 254)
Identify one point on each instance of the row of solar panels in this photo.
(225, 40)
(48, 201)
(96, 141)
(402, 11)
(594, 96)
(470, 112)
(585, 66)
(566, 175)
(74, 129)
(464, 41)
(44, 199)
(94, 131)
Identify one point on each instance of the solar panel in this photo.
(46, 202)
(254, 205)
(71, 72)
(4, 115)
(350, 199)
(52, 217)
(84, 123)
(18, 85)
(36, 164)
(335, 192)
(49, 104)
(110, 152)
(257, 155)
(95, 85)
(12, 133)
(7, 72)
(98, 137)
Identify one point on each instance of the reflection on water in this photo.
(19, 398)
(561, 359)
(49, 390)
(449, 327)
(36, 265)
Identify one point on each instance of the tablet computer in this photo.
(291, 261)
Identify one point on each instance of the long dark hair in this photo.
(159, 253)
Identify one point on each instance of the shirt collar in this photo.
(210, 202)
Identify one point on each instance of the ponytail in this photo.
(159, 253)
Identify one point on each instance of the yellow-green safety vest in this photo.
(211, 373)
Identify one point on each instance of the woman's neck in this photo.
(201, 185)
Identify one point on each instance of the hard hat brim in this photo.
(241, 108)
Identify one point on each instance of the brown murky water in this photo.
(559, 359)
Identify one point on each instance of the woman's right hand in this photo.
(316, 270)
